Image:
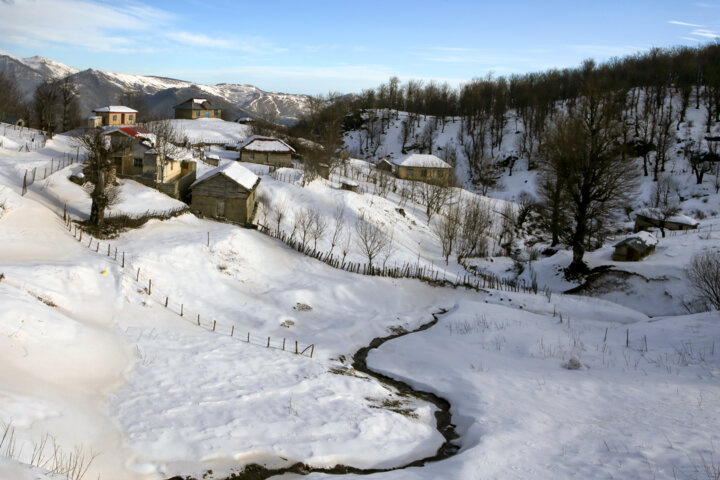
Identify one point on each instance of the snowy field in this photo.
(211, 130)
(92, 358)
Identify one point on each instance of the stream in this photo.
(443, 420)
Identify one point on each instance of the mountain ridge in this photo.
(159, 93)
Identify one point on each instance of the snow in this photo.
(420, 160)
(211, 130)
(234, 171)
(96, 358)
(658, 215)
(258, 143)
(115, 109)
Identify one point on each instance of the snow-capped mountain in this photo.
(160, 94)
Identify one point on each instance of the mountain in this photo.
(159, 94)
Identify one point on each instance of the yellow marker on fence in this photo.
(104, 272)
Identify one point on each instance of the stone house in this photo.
(228, 192)
(134, 157)
(654, 218)
(194, 108)
(266, 151)
(114, 115)
(635, 247)
(424, 168)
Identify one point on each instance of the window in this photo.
(197, 112)
(409, 172)
(130, 118)
(217, 113)
(423, 173)
(137, 162)
(114, 118)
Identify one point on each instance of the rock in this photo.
(574, 364)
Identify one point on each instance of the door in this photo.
(207, 114)
(220, 211)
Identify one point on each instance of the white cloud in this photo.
(607, 50)
(253, 45)
(95, 26)
(676, 22)
(701, 32)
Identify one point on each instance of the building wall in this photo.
(425, 174)
(192, 114)
(267, 158)
(118, 118)
(239, 203)
(642, 222)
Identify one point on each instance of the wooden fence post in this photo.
(182, 306)
(150, 286)
(232, 330)
(137, 277)
(166, 301)
(283, 345)
(296, 347)
(123, 259)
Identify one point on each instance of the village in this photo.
(385, 286)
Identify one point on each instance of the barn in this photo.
(635, 247)
(228, 192)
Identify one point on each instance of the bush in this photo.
(704, 276)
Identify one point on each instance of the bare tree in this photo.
(389, 249)
(101, 168)
(45, 106)
(279, 212)
(596, 180)
(369, 239)
(318, 226)
(476, 221)
(346, 245)
(303, 222)
(434, 196)
(68, 98)
(339, 219)
(704, 276)
(447, 228)
(167, 143)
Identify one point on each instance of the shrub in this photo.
(704, 276)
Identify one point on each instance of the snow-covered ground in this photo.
(211, 130)
(92, 356)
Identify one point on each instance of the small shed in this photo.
(635, 247)
(227, 192)
(349, 185)
(653, 217)
(385, 165)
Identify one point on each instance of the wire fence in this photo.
(475, 280)
(28, 139)
(144, 279)
(41, 173)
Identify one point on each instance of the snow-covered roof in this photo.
(115, 109)
(234, 171)
(258, 143)
(639, 239)
(423, 160)
(93, 117)
(195, 104)
(657, 214)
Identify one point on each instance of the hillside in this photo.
(99, 88)
(176, 357)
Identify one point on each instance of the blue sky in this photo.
(321, 46)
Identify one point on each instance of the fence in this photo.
(476, 281)
(19, 135)
(123, 259)
(40, 173)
